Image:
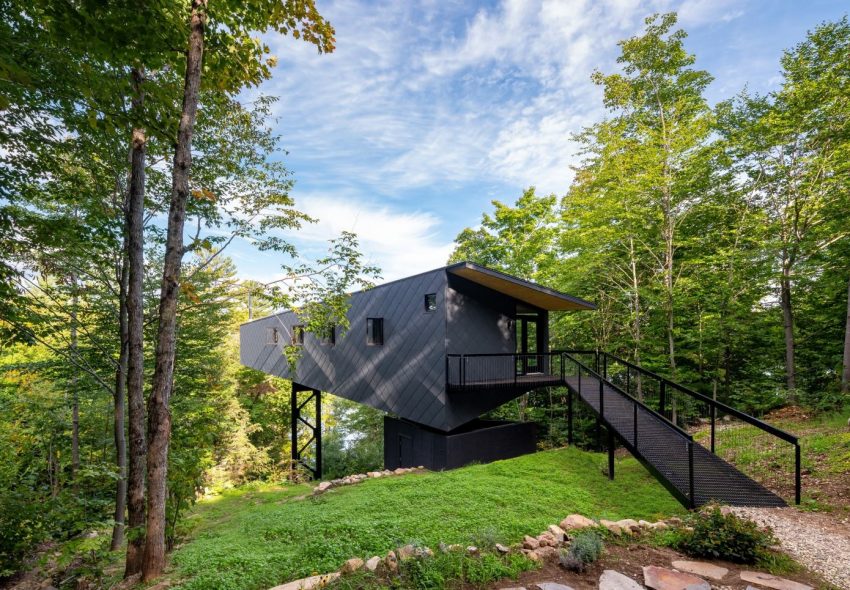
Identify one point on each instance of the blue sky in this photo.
(429, 110)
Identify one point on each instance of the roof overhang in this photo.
(525, 291)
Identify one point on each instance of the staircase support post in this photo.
(662, 397)
(610, 453)
(570, 416)
(713, 420)
(691, 496)
(797, 482)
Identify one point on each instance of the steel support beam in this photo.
(314, 428)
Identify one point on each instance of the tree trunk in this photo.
(637, 311)
(75, 394)
(159, 415)
(845, 374)
(135, 343)
(119, 402)
(788, 322)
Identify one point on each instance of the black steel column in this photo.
(294, 419)
(569, 416)
(315, 428)
(317, 433)
(610, 452)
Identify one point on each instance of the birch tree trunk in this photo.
(788, 324)
(135, 343)
(159, 414)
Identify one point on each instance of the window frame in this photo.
(373, 337)
(272, 336)
(329, 335)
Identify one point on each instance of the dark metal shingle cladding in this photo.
(404, 376)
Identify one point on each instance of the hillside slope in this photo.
(254, 538)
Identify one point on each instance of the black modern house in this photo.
(408, 347)
(438, 350)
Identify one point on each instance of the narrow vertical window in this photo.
(271, 335)
(430, 302)
(297, 335)
(374, 331)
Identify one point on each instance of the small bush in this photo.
(585, 548)
(724, 536)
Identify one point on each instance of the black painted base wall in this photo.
(407, 444)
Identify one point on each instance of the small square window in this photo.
(374, 331)
(431, 302)
(329, 337)
(271, 336)
(298, 335)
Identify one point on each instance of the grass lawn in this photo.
(259, 536)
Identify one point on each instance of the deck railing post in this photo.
(569, 416)
(628, 380)
(662, 397)
(713, 420)
(610, 453)
(601, 399)
(605, 365)
(634, 428)
(797, 483)
(691, 474)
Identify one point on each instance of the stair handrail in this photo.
(778, 432)
(675, 428)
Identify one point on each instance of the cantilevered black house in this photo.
(402, 354)
(439, 349)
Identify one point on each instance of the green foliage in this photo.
(585, 548)
(261, 535)
(727, 537)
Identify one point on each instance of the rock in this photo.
(400, 471)
(701, 568)
(628, 525)
(324, 486)
(659, 526)
(674, 521)
(576, 521)
(532, 554)
(546, 552)
(644, 524)
(770, 581)
(472, 550)
(557, 532)
(391, 562)
(529, 542)
(514, 588)
(406, 552)
(612, 527)
(372, 563)
(502, 549)
(659, 578)
(420, 467)
(311, 583)
(373, 474)
(552, 586)
(611, 580)
(352, 565)
(547, 540)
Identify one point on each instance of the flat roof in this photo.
(526, 291)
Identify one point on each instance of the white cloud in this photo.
(400, 243)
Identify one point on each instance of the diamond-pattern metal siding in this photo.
(405, 376)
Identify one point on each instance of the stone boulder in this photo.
(557, 532)
(529, 542)
(612, 527)
(774, 582)
(372, 563)
(311, 583)
(576, 521)
(351, 566)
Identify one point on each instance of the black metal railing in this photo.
(642, 430)
(466, 372)
(763, 452)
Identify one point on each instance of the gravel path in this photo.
(815, 540)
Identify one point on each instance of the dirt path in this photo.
(818, 541)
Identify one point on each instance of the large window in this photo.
(298, 335)
(374, 331)
(430, 302)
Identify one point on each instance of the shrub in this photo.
(724, 536)
(585, 548)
